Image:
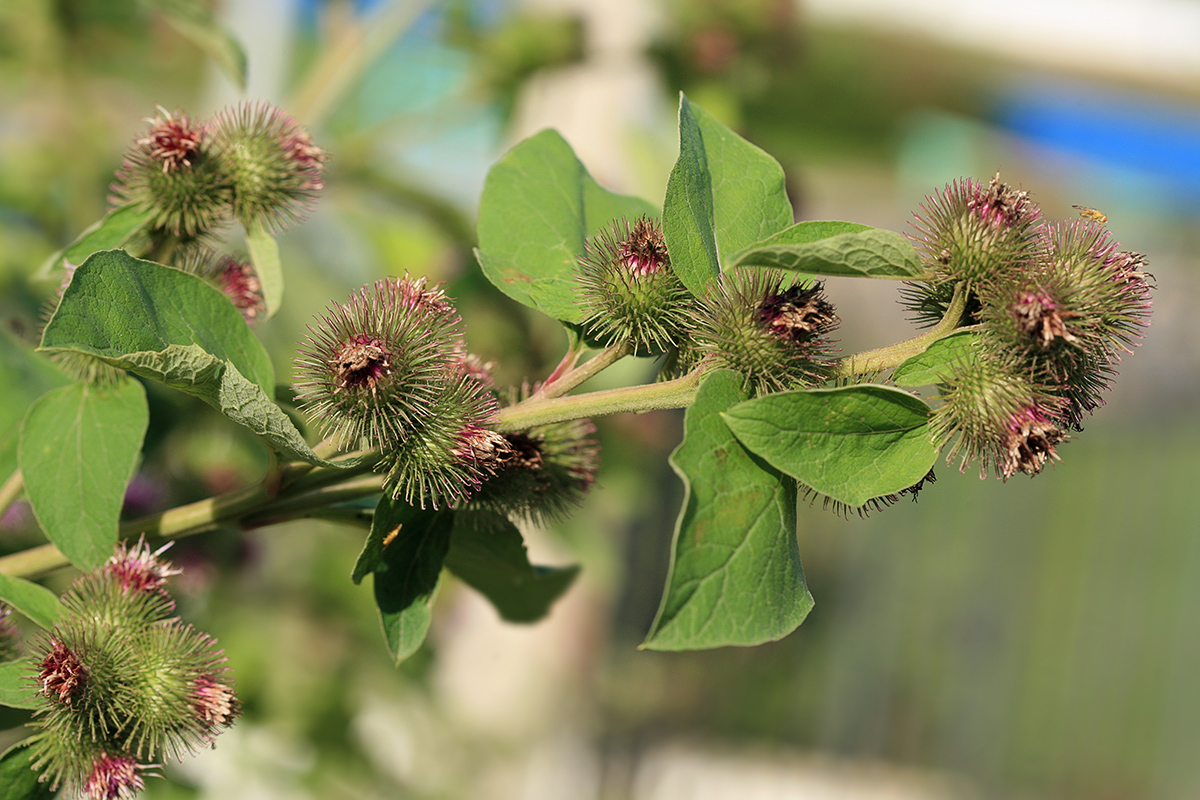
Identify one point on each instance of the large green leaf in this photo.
(851, 444)
(172, 327)
(17, 687)
(79, 446)
(406, 578)
(18, 781)
(195, 22)
(723, 195)
(25, 376)
(835, 248)
(538, 209)
(119, 305)
(38, 603)
(488, 553)
(735, 576)
(113, 231)
(935, 363)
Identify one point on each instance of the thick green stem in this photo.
(309, 502)
(185, 520)
(896, 354)
(669, 394)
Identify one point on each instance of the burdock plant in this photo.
(1023, 324)
(121, 684)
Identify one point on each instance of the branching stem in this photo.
(896, 354)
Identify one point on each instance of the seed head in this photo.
(775, 336)
(547, 472)
(1030, 442)
(61, 675)
(373, 369)
(122, 684)
(628, 289)
(445, 457)
(273, 167)
(238, 280)
(171, 175)
(1069, 316)
(969, 232)
(137, 569)
(992, 411)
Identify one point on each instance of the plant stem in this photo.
(574, 350)
(305, 504)
(574, 377)
(34, 562)
(203, 515)
(11, 490)
(669, 394)
(896, 354)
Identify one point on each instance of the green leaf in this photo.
(835, 248)
(934, 364)
(17, 688)
(406, 580)
(25, 376)
(194, 22)
(488, 553)
(79, 447)
(389, 518)
(723, 195)
(18, 781)
(172, 327)
(735, 576)
(112, 231)
(851, 444)
(264, 253)
(119, 305)
(38, 603)
(538, 209)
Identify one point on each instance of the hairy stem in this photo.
(669, 394)
(896, 354)
(562, 383)
(308, 503)
(231, 508)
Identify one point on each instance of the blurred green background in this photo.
(1036, 639)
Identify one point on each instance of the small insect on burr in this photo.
(1091, 213)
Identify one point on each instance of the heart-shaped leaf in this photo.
(172, 327)
(735, 576)
(538, 209)
(79, 446)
